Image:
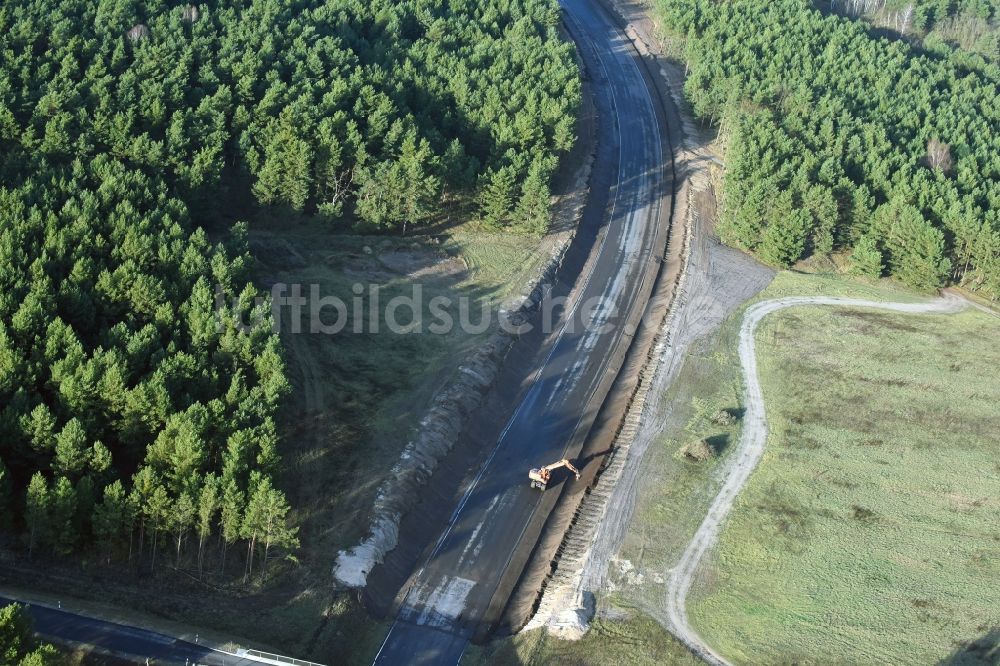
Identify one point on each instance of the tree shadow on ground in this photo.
(719, 443)
(983, 651)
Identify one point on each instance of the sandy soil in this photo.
(749, 449)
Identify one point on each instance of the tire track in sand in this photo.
(749, 450)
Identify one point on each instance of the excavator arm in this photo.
(563, 463)
(539, 477)
(573, 469)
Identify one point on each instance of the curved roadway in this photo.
(452, 591)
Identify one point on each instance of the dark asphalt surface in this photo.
(453, 589)
(138, 644)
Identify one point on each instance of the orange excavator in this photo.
(539, 477)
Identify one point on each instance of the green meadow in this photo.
(870, 531)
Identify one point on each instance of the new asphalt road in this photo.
(140, 645)
(452, 590)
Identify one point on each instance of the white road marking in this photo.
(444, 604)
(475, 532)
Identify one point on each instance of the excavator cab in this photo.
(539, 477)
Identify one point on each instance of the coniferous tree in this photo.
(157, 512)
(380, 189)
(37, 511)
(71, 453)
(18, 646)
(866, 259)
(181, 519)
(420, 185)
(785, 236)
(275, 532)
(208, 507)
(286, 174)
(143, 485)
(265, 523)
(113, 517)
(62, 530)
(40, 426)
(915, 249)
(497, 198)
(231, 518)
(532, 212)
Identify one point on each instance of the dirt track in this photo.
(749, 450)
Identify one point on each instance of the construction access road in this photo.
(751, 447)
(461, 577)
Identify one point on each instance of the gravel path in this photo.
(750, 448)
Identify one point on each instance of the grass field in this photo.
(871, 528)
(358, 396)
(632, 639)
(871, 531)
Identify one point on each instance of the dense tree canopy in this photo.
(313, 100)
(967, 30)
(137, 417)
(835, 136)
